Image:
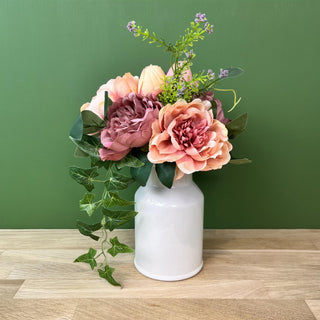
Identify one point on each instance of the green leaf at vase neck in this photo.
(141, 174)
(166, 172)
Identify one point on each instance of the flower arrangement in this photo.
(168, 120)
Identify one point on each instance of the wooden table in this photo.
(247, 274)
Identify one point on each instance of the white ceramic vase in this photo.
(169, 229)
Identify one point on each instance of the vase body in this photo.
(169, 229)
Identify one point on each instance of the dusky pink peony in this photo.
(187, 133)
(128, 125)
(187, 74)
(151, 79)
(121, 86)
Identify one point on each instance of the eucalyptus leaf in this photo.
(141, 174)
(87, 230)
(88, 258)
(91, 122)
(106, 273)
(113, 199)
(118, 247)
(237, 126)
(76, 131)
(114, 219)
(78, 153)
(86, 204)
(117, 181)
(240, 161)
(166, 172)
(84, 176)
(129, 161)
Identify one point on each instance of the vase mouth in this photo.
(154, 181)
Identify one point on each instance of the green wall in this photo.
(56, 53)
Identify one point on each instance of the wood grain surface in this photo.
(247, 274)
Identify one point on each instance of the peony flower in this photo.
(128, 125)
(187, 74)
(151, 79)
(187, 134)
(121, 86)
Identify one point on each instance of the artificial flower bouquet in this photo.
(168, 120)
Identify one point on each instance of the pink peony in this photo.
(121, 86)
(187, 74)
(187, 134)
(151, 79)
(128, 125)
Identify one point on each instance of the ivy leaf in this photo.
(91, 122)
(166, 172)
(88, 144)
(141, 174)
(78, 153)
(114, 219)
(113, 199)
(240, 161)
(106, 273)
(84, 176)
(236, 126)
(88, 258)
(129, 161)
(86, 204)
(118, 247)
(76, 130)
(87, 230)
(117, 181)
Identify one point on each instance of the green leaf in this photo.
(86, 204)
(166, 172)
(87, 229)
(114, 219)
(106, 102)
(76, 130)
(88, 258)
(141, 174)
(129, 161)
(84, 176)
(78, 153)
(89, 145)
(234, 72)
(236, 126)
(117, 181)
(118, 247)
(240, 161)
(106, 273)
(113, 199)
(91, 122)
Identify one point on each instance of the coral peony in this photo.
(187, 134)
(151, 79)
(121, 86)
(128, 125)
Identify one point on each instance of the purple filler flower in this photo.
(189, 54)
(131, 26)
(200, 17)
(223, 73)
(211, 74)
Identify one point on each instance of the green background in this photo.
(56, 53)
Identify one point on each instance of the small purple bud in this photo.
(131, 26)
(223, 73)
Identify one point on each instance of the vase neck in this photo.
(155, 182)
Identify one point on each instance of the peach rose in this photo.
(121, 86)
(187, 134)
(151, 79)
(187, 74)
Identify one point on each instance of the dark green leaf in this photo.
(129, 161)
(89, 145)
(76, 130)
(91, 122)
(236, 126)
(114, 219)
(118, 247)
(166, 172)
(240, 161)
(84, 176)
(117, 181)
(141, 174)
(86, 204)
(87, 230)
(78, 153)
(113, 199)
(106, 273)
(88, 258)
(106, 102)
